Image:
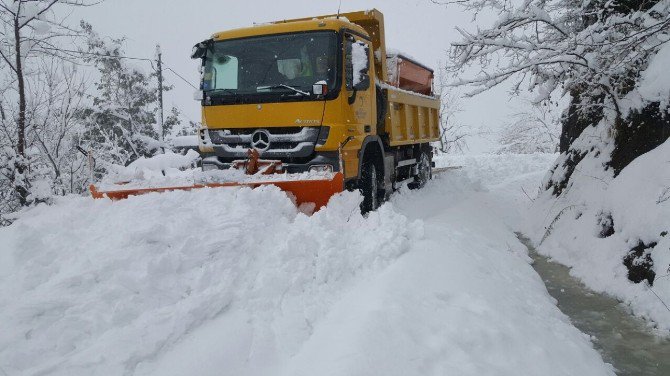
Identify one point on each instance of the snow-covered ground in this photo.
(596, 221)
(239, 282)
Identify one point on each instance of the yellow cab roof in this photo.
(282, 27)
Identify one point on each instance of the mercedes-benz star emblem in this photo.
(260, 140)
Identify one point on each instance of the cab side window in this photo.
(357, 64)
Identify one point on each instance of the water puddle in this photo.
(623, 340)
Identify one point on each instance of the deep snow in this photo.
(239, 282)
(568, 228)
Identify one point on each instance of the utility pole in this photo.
(161, 131)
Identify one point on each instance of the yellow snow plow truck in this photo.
(320, 101)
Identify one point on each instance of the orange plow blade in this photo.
(317, 191)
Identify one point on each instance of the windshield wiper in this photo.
(288, 87)
(227, 91)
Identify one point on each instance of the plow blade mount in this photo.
(316, 191)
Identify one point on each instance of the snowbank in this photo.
(157, 167)
(654, 83)
(98, 287)
(239, 282)
(598, 219)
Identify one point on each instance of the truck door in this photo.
(360, 113)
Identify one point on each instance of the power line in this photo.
(151, 61)
(98, 54)
(178, 75)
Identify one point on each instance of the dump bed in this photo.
(413, 112)
(411, 118)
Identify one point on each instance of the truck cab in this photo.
(314, 94)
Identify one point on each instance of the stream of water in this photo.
(624, 341)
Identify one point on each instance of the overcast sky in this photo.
(418, 27)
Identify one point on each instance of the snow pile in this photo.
(167, 164)
(239, 282)
(176, 170)
(97, 287)
(185, 141)
(654, 85)
(599, 219)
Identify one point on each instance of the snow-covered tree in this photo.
(123, 121)
(598, 52)
(453, 133)
(34, 36)
(57, 127)
(532, 130)
(598, 47)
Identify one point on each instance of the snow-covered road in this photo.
(238, 282)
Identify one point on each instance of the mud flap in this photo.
(389, 175)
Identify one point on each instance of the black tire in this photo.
(424, 171)
(369, 187)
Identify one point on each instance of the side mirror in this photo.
(200, 50)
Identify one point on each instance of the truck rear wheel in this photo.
(424, 172)
(369, 187)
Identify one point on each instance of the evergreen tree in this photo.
(122, 124)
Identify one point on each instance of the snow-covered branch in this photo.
(453, 134)
(595, 47)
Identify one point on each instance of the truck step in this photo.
(406, 162)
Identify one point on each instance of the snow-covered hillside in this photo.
(601, 222)
(239, 282)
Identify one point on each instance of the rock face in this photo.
(639, 263)
(642, 131)
(576, 120)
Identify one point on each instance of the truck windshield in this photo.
(288, 64)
